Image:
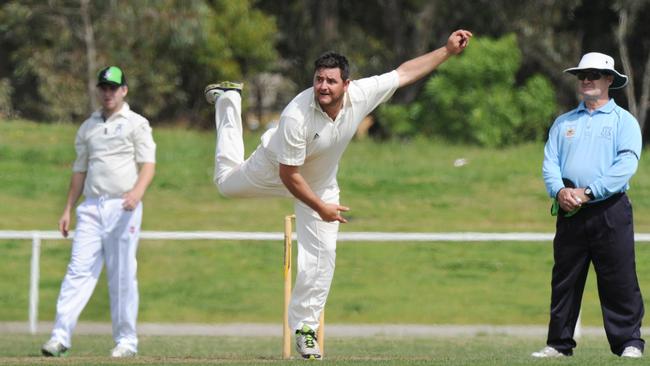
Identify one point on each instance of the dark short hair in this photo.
(331, 60)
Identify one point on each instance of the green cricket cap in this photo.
(111, 75)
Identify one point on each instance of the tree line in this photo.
(170, 49)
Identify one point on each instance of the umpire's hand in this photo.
(569, 200)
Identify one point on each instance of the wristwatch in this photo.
(589, 193)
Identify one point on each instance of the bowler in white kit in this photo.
(115, 164)
(300, 159)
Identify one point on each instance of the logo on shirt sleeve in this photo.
(570, 132)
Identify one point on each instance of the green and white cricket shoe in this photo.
(214, 91)
(54, 348)
(122, 351)
(307, 344)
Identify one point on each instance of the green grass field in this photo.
(477, 350)
(396, 186)
(393, 186)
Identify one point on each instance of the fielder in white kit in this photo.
(115, 164)
(300, 158)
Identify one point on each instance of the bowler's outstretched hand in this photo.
(458, 41)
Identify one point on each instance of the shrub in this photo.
(475, 99)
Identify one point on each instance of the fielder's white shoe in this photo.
(214, 91)
(123, 351)
(307, 344)
(54, 348)
(548, 352)
(632, 352)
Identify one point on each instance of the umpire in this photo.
(589, 158)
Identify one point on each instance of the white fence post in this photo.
(34, 279)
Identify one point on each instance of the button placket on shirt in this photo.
(588, 125)
(334, 124)
(336, 134)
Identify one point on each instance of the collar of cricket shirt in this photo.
(122, 112)
(607, 108)
(317, 106)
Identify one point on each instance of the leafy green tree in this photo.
(6, 109)
(475, 98)
(375, 35)
(169, 50)
(40, 41)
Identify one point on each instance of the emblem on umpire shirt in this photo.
(606, 132)
(570, 132)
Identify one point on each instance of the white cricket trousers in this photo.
(105, 232)
(258, 177)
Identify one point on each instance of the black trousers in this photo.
(602, 234)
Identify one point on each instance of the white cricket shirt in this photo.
(309, 138)
(109, 152)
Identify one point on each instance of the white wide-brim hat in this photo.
(602, 62)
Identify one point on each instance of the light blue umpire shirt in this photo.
(600, 150)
